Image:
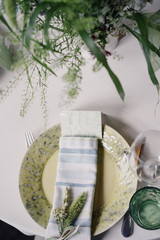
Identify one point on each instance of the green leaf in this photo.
(155, 16)
(153, 20)
(5, 55)
(40, 7)
(49, 15)
(43, 64)
(7, 25)
(139, 37)
(154, 37)
(102, 59)
(10, 9)
(145, 45)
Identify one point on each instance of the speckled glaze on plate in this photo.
(30, 178)
(115, 182)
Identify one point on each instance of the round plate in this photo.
(115, 182)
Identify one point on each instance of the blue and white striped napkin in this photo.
(77, 168)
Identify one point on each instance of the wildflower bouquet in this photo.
(50, 35)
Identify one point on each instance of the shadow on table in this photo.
(100, 236)
(7, 232)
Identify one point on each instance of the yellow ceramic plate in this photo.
(115, 181)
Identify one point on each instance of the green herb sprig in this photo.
(67, 214)
(75, 210)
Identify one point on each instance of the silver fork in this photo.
(29, 137)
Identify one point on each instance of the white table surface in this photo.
(135, 114)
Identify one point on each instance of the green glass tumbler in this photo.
(144, 208)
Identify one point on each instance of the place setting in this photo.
(80, 177)
(79, 128)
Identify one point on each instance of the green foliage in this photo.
(67, 214)
(154, 38)
(101, 58)
(50, 35)
(74, 210)
(5, 54)
(145, 44)
(10, 9)
(144, 39)
(60, 214)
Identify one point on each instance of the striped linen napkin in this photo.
(77, 168)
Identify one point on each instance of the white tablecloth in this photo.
(135, 114)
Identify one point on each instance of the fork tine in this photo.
(32, 136)
(29, 137)
(26, 139)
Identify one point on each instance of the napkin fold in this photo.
(77, 169)
(81, 124)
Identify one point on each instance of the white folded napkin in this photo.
(81, 124)
(77, 168)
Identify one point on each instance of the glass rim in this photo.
(138, 190)
(141, 136)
